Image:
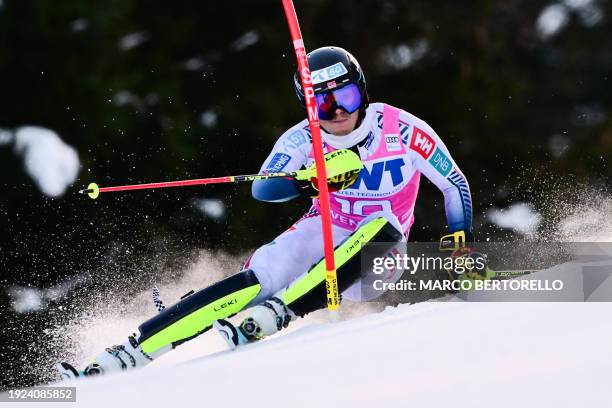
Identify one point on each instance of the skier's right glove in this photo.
(336, 183)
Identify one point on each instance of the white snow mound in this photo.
(426, 355)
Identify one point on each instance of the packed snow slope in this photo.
(439, 354)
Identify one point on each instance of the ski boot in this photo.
(121, 357)
(266, 319)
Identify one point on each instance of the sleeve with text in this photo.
(290, 153)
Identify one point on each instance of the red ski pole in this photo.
(331, 279)
(93, 190)
(339, 162)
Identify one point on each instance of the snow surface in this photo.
(430, 354)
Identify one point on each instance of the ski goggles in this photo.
(347, 98)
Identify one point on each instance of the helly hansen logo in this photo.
(422, 143)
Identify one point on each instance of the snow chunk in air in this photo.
(80, 24)
(194, 64)
(520, 217)
(6, 137)
(52, 164)
(132, 40)
(210, 207)
(209, 118)
(249, 38)
(551, 20)
(403, 56)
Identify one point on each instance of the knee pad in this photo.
(307, 294)
(195, 313)
(387, 215)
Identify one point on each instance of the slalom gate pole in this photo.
(331, 279)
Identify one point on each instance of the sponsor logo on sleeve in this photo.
(278, 162)
(440, 162)
(393, 142)
(328, 73)
(422, 143)
(296, 139)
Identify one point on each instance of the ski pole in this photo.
(93, 190)
(338, 162)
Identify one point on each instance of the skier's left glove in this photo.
(468, 263)
(456, 240)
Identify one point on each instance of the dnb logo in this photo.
(372, 174)
(422, 143)
(441, 162)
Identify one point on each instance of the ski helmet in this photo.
(333, 68)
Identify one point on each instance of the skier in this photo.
(285, 279)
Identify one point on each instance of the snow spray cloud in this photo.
(560, 209)
(78, 318)
(112, 313)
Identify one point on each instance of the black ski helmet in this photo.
(328, 57)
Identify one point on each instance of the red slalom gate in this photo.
(331, 279)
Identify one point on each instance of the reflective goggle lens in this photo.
(347, 99)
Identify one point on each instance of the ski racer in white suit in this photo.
(283, 279)
(395, 146)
